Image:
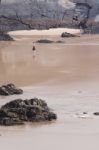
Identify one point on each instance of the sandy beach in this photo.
(66, 75)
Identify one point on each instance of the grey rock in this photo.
(45, 41)
(9, 89)
(68, 35)
(5, 37)
(44, 14)
(20, 111)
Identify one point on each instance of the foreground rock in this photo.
(5, 37)
(68, 35)
(9, 89)
(20, 111)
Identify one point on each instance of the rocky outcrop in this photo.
(20, 111)
(5, 37)
(44, 14)
(10, 89)
(68, 35)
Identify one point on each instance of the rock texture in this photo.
(68, 35)
(5, 37)
(20, 111)
(42, 14)
(10, 89)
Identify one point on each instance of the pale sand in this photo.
(65, 75)
(57, 31)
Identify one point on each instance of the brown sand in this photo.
(72, 61)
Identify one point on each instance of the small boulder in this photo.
(10, 89)
(85, 113)
(20, 111)
(68, 35)
(96, 113)
(45, 41)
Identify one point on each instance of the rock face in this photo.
(44, 14)
(9, 89)
(20, 111)
(68, 35)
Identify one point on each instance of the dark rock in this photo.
(85, 113)
(96, 113)
(59, 41)
(7, 121)
(52, 116)
(20, 111)
(5, 37)
(68, 35)
(48, 41)
(3, 91)
(9, 89)
(45, 41)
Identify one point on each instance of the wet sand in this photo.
(66, 75)
(73, 61)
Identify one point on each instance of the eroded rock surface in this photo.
(20, 111)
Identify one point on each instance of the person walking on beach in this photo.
(34, 50)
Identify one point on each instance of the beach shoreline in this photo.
(66, 76)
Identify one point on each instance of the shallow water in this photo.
(72, 61)
(66, 76)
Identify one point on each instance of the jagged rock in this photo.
(45, 41)
(20, 111)
(9, 89)
(68, 35)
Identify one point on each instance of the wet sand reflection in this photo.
(59, 62)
